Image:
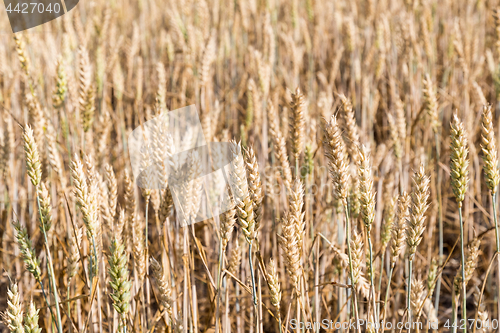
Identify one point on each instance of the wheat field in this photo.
(363, 136)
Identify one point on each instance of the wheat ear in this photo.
(227, 222)
(74, 252)
(471, 262)
(491, 171)
(235, 259)
(112, 189)
(86, 90)
(482, 314)
(45, 207)
(244, 204)
(291, 238)
(367, 199)
(297, 125)
(279, 146)
(13, 315)
(254, 185)
(351, 129)
(459, 181)
(33, 165)
(337, 159)
(416, 222)
(165, 291)
(31, 320)
(119, 282)
(61, 88)
(274, 288)
(430, 102)
(398, 238)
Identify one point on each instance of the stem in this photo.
(297, 167)
(353, 288)
(382, 259)
(409, 294)
(218, 287)
(440, 222)
(462, 252)
(51, 267)
(372, 287)
(146, 231)
(46, 299)
(146, 312)
(494, 204)
(454, 312)
(185, 301)
(251, 273)
(387, 291)
(69, 304)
